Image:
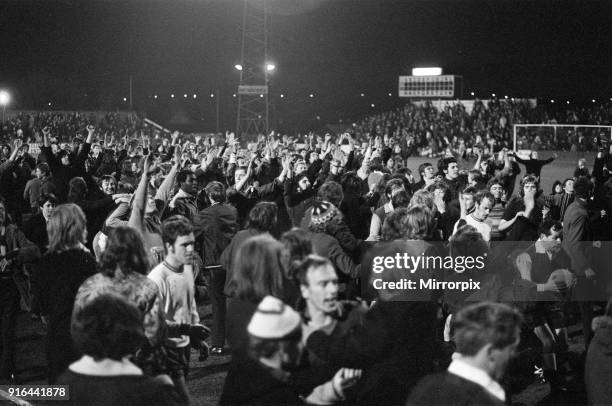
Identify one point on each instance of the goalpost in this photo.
(560, 136)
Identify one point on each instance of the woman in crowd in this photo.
(261, 221)
(123, 270)
(65, 266)
(260, 269)
(108, 330)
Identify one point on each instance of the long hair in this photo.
(260, 269)
(124, 250)
(66, 227)
(77, 189)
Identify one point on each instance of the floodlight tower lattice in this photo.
(253, 100)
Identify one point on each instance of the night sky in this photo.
(80, 54)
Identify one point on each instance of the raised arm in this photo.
(165, 190)
(136, 220)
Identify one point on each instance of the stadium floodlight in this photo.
(431, 71)
(472, 94)
(238, 66)
(270, 67)
(5, 98)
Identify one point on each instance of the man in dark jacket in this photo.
(486, 335)
(63, 166)
(578, 243)
(214, 228)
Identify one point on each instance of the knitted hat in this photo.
(374, 178)
(322, 212)
(273, 319)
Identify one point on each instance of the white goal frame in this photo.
(555, 126)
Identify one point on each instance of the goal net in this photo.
(561, 137)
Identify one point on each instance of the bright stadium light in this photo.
(552, 101)
(593, 100)
(472, 94)
(270, 67)
(155, 96)
(212, 95)
(172, 96)
(238, 66)
(372, 105)
(125, 99)
(492, 94)
(362, 94)
(311, 95)
(5, 98)
(195, 96)
(390, 94)
(282, 96)
(432, 71)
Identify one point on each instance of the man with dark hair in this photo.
(455, 181)
(35, 228)
(38, 186)
(446, 215)
(175, 280)
(63, 166)
(496, 187)
(577, 242)
(487, 336)
(214, 227)
(560, 202)
(184, 201)
(546, 265)
(428, 176)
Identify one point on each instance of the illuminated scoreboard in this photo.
(428, 86)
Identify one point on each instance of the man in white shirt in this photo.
(483, 203)
(486, 336)
(175, 281)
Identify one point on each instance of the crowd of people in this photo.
(113, 243)
(429, 131)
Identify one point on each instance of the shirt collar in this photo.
(478, 376)
(106, 367)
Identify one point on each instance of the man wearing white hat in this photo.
(275, 349)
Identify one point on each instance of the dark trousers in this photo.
(9, 307)
(217, 300)
(586, 294)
